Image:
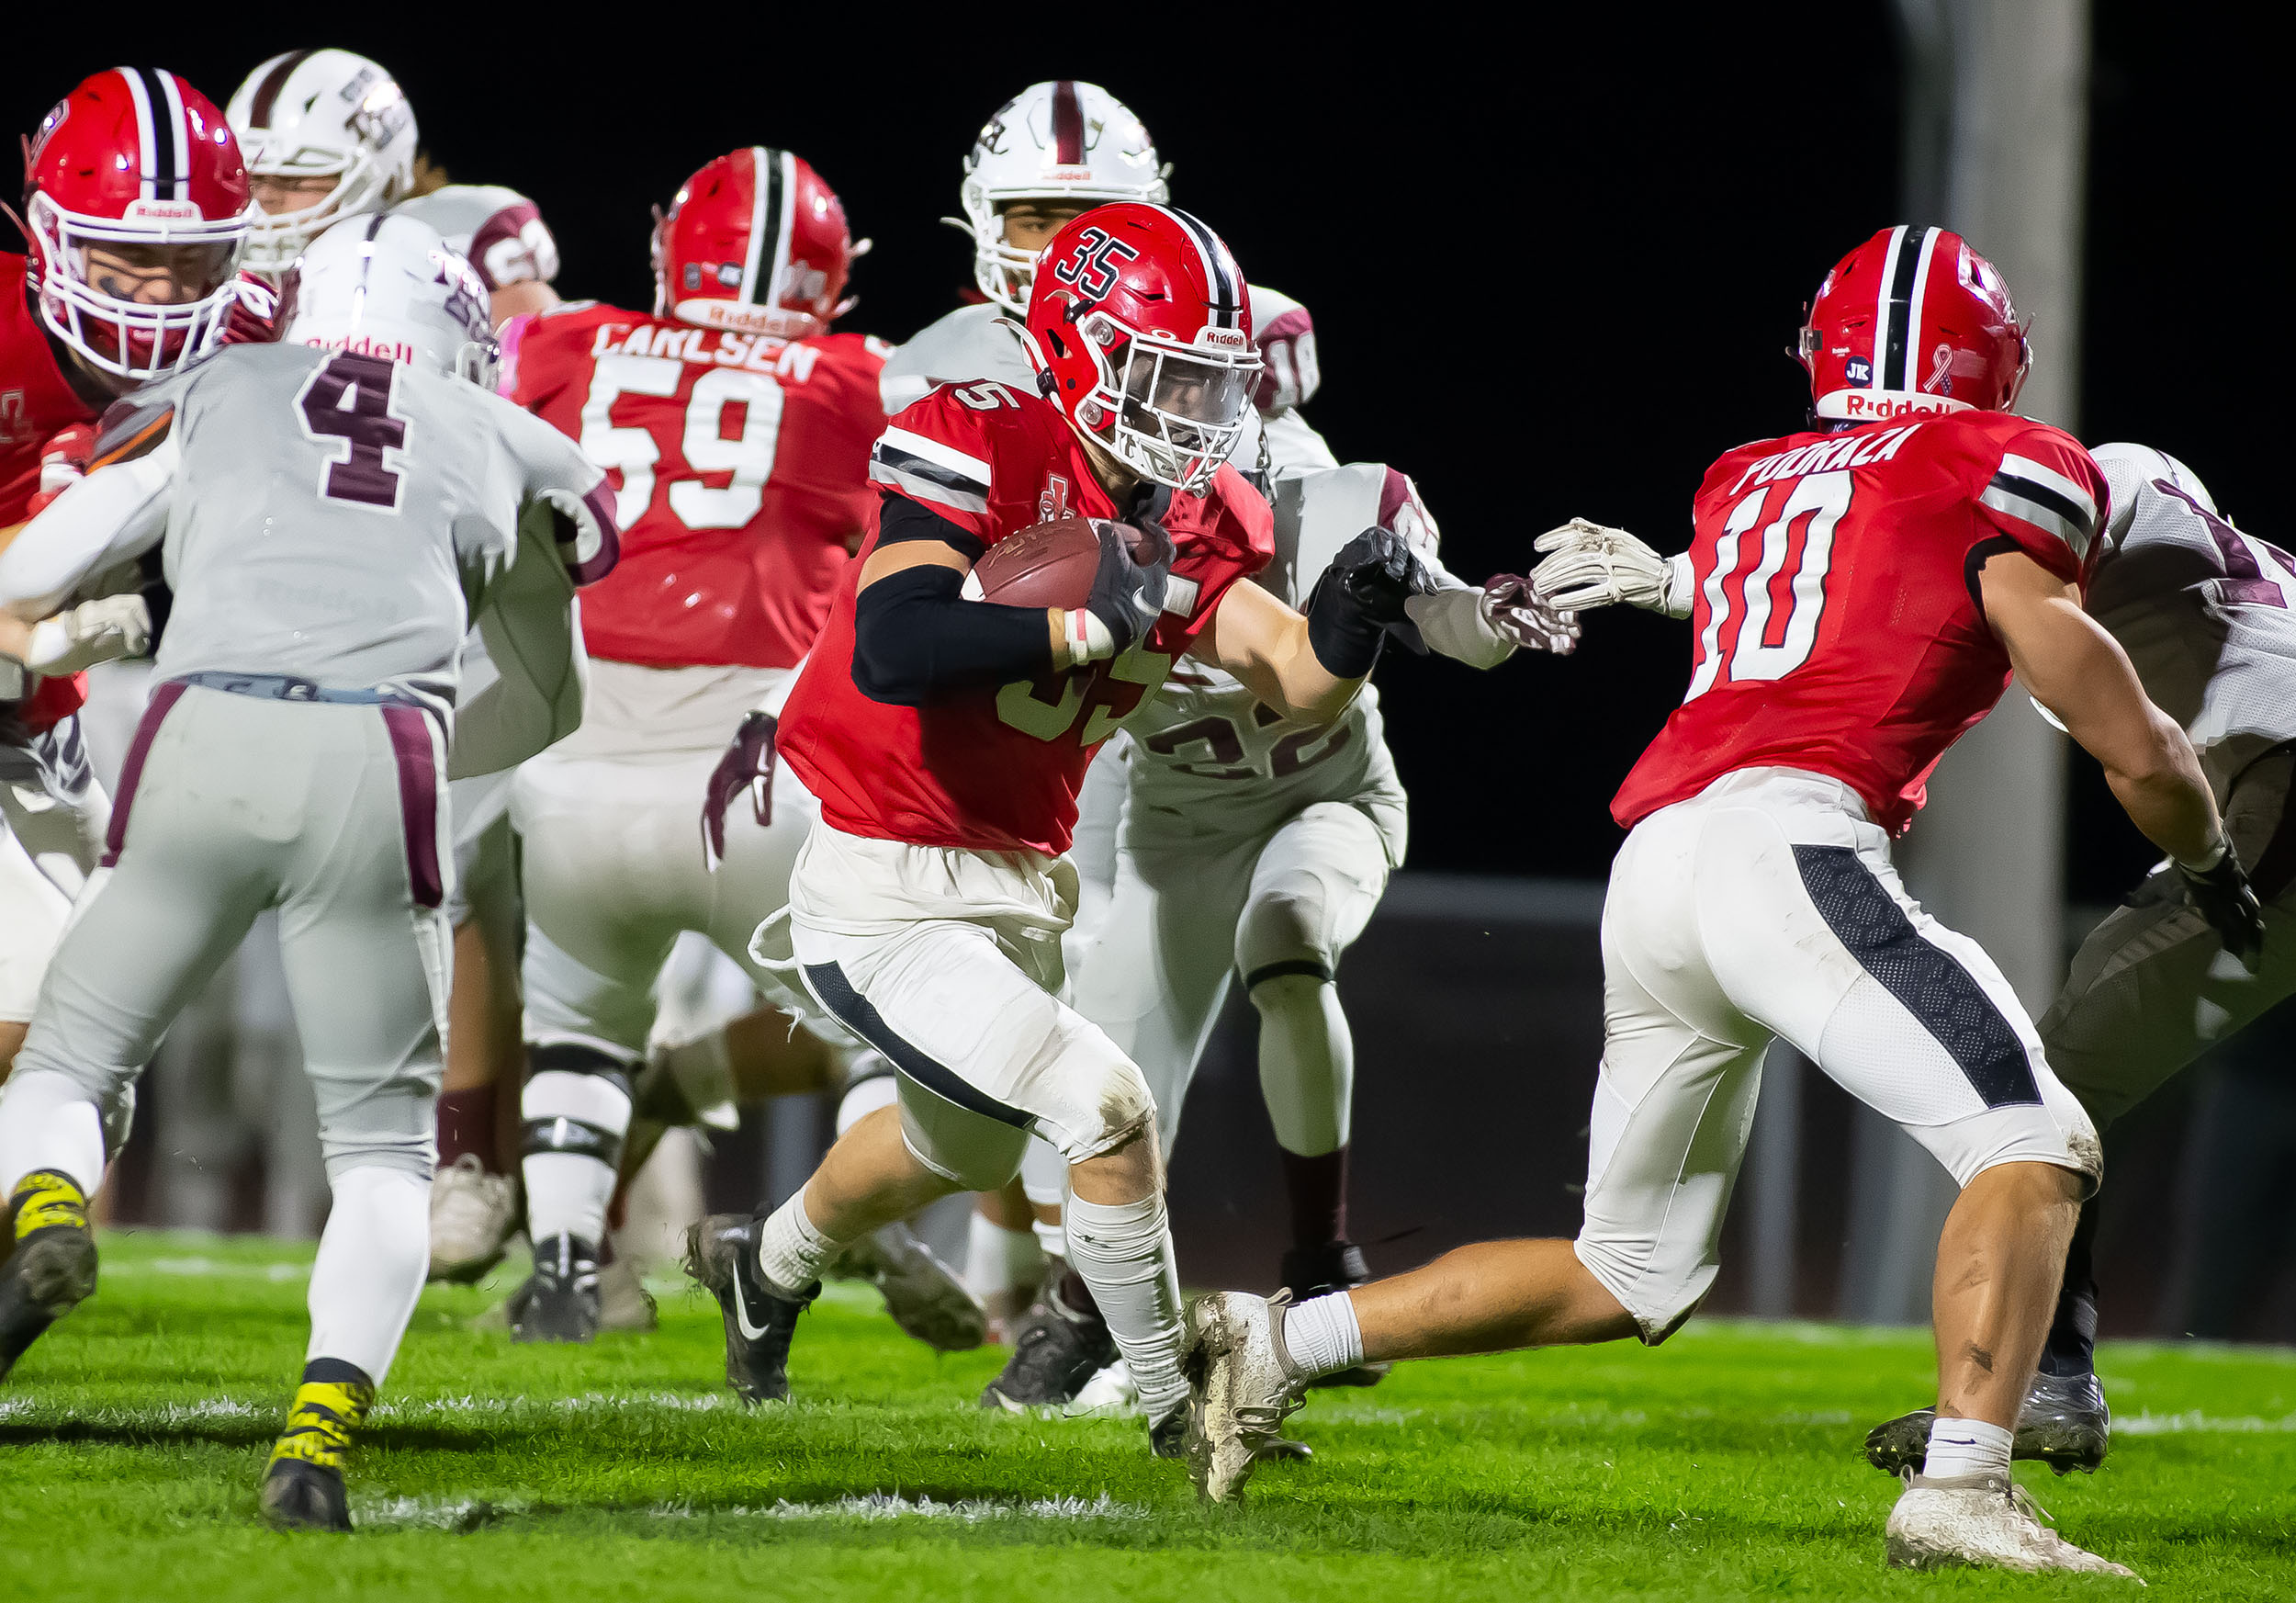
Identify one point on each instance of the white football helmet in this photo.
(388, 286)
(2128, 468)
(315, 114)
(1064, 141)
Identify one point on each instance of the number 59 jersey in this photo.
(1837, 624)
(740, 470)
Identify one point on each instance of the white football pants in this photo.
(1766, 906)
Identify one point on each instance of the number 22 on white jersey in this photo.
(1766, 645)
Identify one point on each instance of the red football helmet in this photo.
(755, 242)
(1913, 320)
(1143, 334)
(137, 168)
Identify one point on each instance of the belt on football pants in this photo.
(287, 687)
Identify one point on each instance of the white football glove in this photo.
(102, 630)
(1588, 566)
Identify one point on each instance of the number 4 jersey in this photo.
(997, 770)
(740, 471)
(1837, 625)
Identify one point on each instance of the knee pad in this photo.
(577, 1103)
(869, 1084)
(1283, 932)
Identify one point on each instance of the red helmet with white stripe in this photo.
(1143, 334)
(757, 243)
(1913, 320)
(136, 205)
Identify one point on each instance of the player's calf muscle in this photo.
(1494, 1296)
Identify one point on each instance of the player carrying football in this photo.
(946, 738)
(328, 516)
(1862, 593)
(136, 208)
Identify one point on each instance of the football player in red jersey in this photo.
(946, 738)
(1862, 592)
(136, 209)
(736, 427)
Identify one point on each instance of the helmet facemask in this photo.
(1172, 413)
(132, 339)
(370, 173)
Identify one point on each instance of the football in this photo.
(1051, 564)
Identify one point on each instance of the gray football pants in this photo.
(2152, 988)
(229, 805)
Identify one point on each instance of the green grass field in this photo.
(1724, 1465)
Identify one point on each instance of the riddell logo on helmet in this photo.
(1868, 405)
(366, 345)
(162, 211)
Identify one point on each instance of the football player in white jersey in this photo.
(328, 134)
(2203, 611)
(330, 511)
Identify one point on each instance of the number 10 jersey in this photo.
(1837, 624)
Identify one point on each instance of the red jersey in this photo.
(997, 770)
(1837, 625)
(37, 401)
(740, 472)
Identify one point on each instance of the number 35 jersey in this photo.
(997, 769)
(1837, 622)
(740, 471)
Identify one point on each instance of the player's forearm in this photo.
(112, 515)
(1289, 675)
(917, 639)
(2165, 794)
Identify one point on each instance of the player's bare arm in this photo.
(1309, 666)
(2069, 665)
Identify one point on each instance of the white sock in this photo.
(997, 1258)
(790, 1248)
(48, 1122)
(1967, 1447)
(1307, 1062)
(1321, 1335)
(1124, 1252)
(568, 1192)
(372, 1260)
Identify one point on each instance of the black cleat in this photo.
(1318, 1271)
(559, 1301)
(52, 1270)
(2063, 1423)
(1057, 1353)
(1167, 1437)
(722, 1253)
(925, 1297)
(305, 1497)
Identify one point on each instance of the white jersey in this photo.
(981, 342)
(2203, 612)
(327, 516)
(499, 231)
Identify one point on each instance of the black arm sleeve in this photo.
(915, 638)
(901, 519)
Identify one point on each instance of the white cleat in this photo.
(624, 1303)
(473, 1216)
(1240, 1386)
(1987, 1521)
(1112, 1392)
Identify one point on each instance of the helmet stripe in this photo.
(1909, 379)
(1220, 272)
(140, 92)
(760, 198)
(1897, 300)
(782, 206)
(176, 171)
(275, 79)
(1069, 125)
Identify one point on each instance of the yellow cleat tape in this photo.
(44, 1199)
(319, 1428)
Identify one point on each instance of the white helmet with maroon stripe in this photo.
(321, 114)
(1066, 143)
(389, 285)
(135, 205)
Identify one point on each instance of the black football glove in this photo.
(1360, 600)
(1128, 593)
(2228, 902)
(748, 764)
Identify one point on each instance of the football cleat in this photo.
(722, 1253)
(1337, 1266)
(1167, 1437)
(473, 1216)
(1981, 1521)
(1058, 1353)
(52, 1270)
(2064, 1423)
(1242, 1386)
(624, 1303)
(559, 1301)
(1111, 1391)
(302, 1486)
(925, 1296)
